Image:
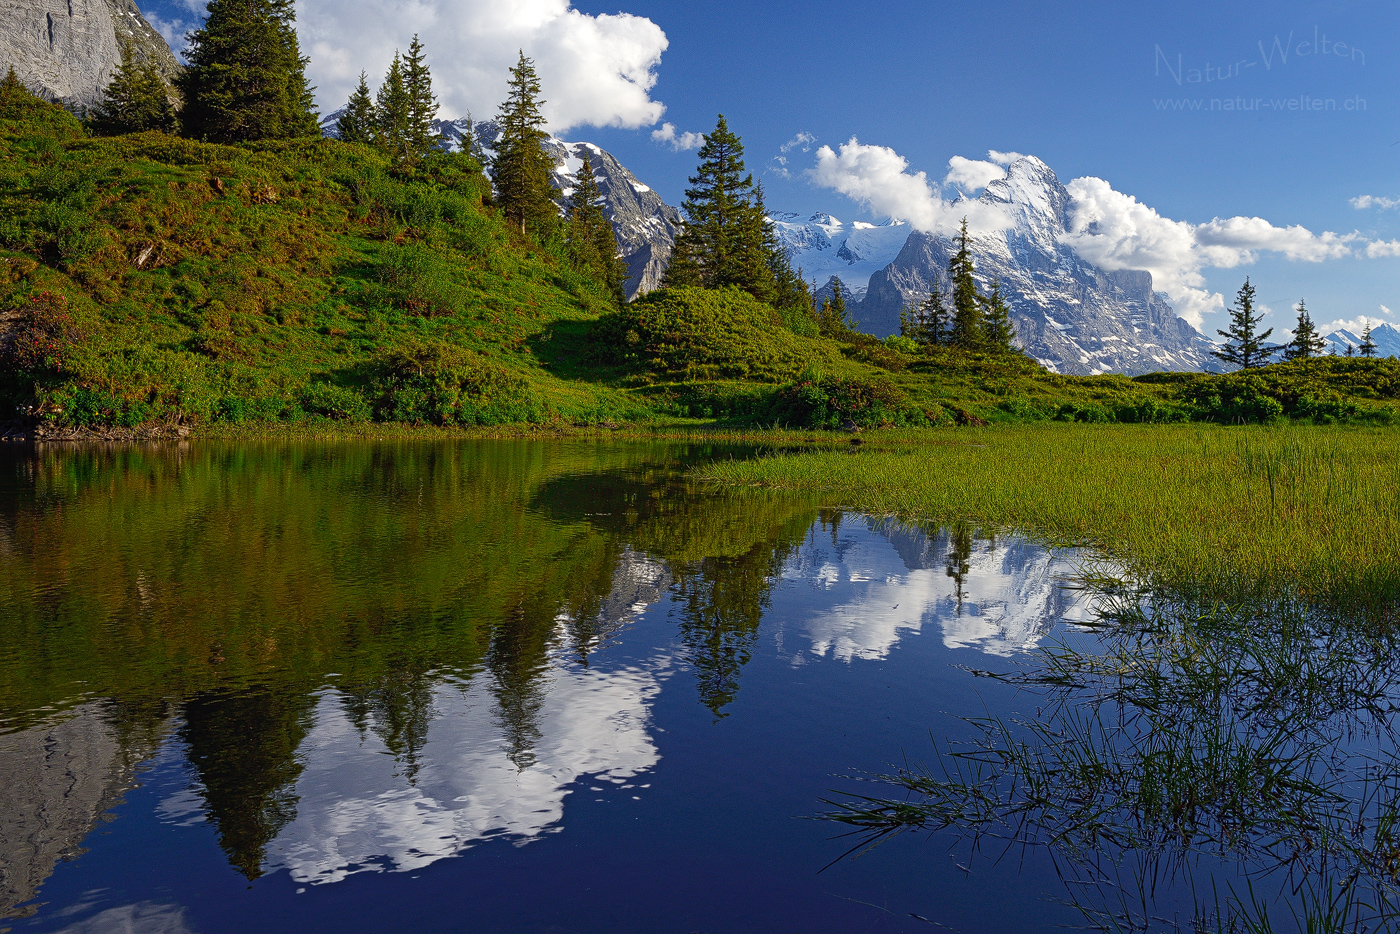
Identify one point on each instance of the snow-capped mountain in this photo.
(822, 247)
(1069, 314)
(1386, 337)
(646, 226)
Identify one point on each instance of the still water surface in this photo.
(485, 686)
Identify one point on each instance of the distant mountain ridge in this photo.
(1385, 336)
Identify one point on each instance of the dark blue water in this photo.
(504, 686)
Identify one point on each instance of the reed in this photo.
(1237, 512)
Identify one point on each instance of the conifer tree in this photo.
(998, 333)
(421, 131)
(357, 123)
(832, 318)
(927, 324)
(967, 304)
(135, 101)
(392, 113)
(1306, 343)
(1243, 347)
(728, 238)
(246, 79)
(590, 237)
(1368, 346)
(521, 169)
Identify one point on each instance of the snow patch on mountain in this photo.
(1385, 336)
(823, 246)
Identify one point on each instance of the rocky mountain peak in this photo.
(67, 51)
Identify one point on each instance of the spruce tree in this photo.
(246, 79)
(135, 101)
(522, 169)
(421, 133)
(1243, 347)
(832, 318)
(1306, 343)
(589, 234)
(926, 324)
(392, 113)
(358, 121)
(728, 238)
(1368, 346)
(967, 303)
(998, 333)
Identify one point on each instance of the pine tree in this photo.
(392, 113)
(522, 169)
(246, 79)
(927, 324)
(1243, 347)
(135, 101)
(832, 318)
(728, 238)
(590, 237)
(998, 333)
(967, 304)
(1368, 346)
(357, 122)
(421, 132)
(1306, 343)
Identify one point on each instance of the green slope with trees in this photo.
(250, 270)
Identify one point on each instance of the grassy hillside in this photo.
(150, 280)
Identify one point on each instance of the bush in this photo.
(704, 334)
(43, 338)
(444, 385)
(338, 402)
(826, 402)
(902, 344)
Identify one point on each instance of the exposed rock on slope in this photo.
(1069, 314)
(68, 50)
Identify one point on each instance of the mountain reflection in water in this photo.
(360, 658)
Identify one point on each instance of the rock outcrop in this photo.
(67, 50)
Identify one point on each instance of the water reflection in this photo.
(372, 657)
(1000, 596)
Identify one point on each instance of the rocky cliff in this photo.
(68, 50)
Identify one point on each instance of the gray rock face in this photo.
(59, 780)
(67, 50)
(1069, 314)
(646, 226)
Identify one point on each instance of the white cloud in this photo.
(878, 178)
(971, 174)
(668, 136)
(1004, 158)
(172, 30)
(1363, 202)
(1116, 231)
(802, 142)
(1354, 325)
(595, 70)
(1378, 248)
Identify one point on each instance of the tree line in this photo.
(1246, 347)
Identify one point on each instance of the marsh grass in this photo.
(1242, 755)
(1240, 513)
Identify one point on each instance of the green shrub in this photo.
(705, 334)
(444, 385)
(331, 401)
(827, 402)
(902, 344)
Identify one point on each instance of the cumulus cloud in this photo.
(667, 136)
(972, 174)
(1354, 325)
(1116, 231)
(1378, 248)
(1363, 202)
(173, 30)
(595, 70)
(879, 178)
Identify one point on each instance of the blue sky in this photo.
(1098, 89)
